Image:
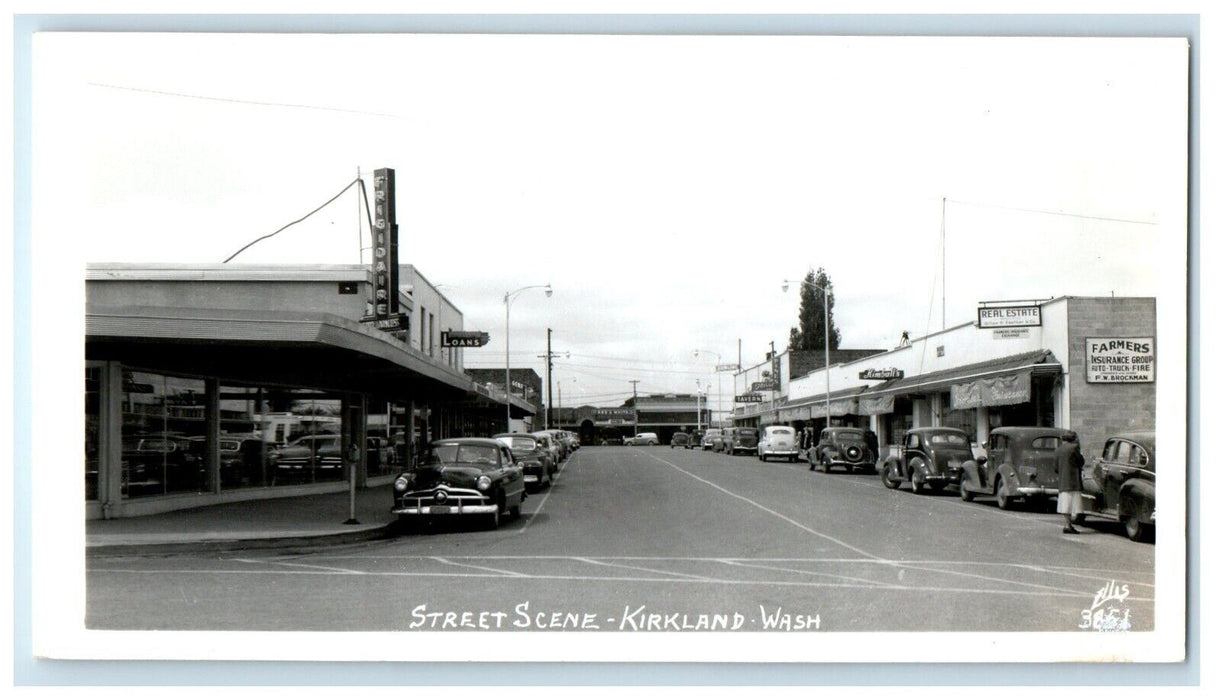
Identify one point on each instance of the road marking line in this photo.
(641, 568)
(625, 579)
(878, 584)
(770, 511)
(444, 560)
(304, 566)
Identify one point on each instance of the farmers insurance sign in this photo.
(1119, 360)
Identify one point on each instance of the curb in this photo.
(387, 531)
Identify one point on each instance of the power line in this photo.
(1054, 213)
(315, 211)
(234, 100)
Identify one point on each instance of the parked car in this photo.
(682, 440)
(462, 477)
(310, 457)
(538, 468)
(1021, 464)
(710, 438)
(548, 443)
(929, 458)
(1119, 484)
(563, 438)
(851, 448)
(719, 440)
(778, 441)
(745, 440)
(160, 462)
(241, 460)
(644, 439)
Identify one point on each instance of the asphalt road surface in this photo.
(656, 539)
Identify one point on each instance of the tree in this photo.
(810, 333)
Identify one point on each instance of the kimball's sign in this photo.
(748, 398)
(464, 339)
(769, 385)
(1119, 360)
(1010, 316)
(385, 247)
(887, 373)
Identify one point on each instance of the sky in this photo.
(664, 186)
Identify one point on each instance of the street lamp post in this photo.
(826, 343)
(718, 384)
(509, 297)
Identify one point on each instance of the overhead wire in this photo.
(293, 223)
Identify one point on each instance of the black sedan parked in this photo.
(535, 461)
(462, 477)
(929, 458)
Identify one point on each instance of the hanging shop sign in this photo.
(394, 322)
(839, 407)
(886, 373)
(748, 398)
(727, 368)
(1010, 316)
(1003, 390)
(464, 339)
(875, 405)
(769, 385)
(1119, 360)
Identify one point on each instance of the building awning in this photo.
(294, 348)
(996, 382)
(844, 402)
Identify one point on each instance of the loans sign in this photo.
(1119, 360)
(1010, 316)
(464, 339)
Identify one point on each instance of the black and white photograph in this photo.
(609, 346)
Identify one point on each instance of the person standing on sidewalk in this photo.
(1069, 461)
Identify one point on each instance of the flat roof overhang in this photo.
(295, 349)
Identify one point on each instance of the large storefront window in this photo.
(244, 449)
(163, 435)
(307, 427)
(93, 416)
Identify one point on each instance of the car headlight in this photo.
(483, 483)
(401, 483)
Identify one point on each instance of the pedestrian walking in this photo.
(1069, 461)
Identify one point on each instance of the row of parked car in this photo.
(1019, 465)
(485, 478)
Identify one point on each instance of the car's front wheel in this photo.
(1135, 529)
(890, 477)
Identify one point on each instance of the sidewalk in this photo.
(247, 524)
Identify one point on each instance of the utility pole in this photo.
(547, 418)
(635, 408)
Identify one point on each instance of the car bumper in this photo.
(445, 510)
(780, 453)
(1036, 491)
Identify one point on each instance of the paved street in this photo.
(634, 538)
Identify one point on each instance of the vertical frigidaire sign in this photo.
(385, 252)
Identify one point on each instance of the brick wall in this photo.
(1098, 410)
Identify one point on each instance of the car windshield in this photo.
(780, 431)
(519, 444)
(470, 454)
(948, 439)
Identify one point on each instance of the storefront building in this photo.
(215, 383)
(761, 392)
(664, 414)
(1085, 363)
